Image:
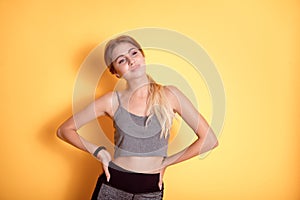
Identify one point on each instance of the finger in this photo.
(160, 184)
(161, 175)
(106, 171)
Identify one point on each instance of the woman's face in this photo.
(128, 61)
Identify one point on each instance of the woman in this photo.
(142, 115)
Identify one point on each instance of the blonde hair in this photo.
(157, 103)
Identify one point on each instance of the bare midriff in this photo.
(149, 165)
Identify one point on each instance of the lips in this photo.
(134, 67)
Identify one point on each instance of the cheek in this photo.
(122, 70)
(142, 59)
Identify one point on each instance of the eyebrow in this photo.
(123, 54)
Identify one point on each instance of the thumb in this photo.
(160, 184)
(161, 175)
(107, 174)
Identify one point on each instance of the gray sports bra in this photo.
(133, 138)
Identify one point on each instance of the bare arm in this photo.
(67, 131)
(206, 140)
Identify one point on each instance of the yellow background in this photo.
(255, 46)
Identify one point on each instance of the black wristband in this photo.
(97, 150)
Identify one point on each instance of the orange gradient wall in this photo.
(254, 44)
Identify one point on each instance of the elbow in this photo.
(213, 145)
(59, 133)
(65, 133)
(216, 144)
(213, 140)
(208, 145)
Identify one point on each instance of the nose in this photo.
(131, 60)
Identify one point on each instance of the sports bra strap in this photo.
(118, 98)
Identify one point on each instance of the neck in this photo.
(139, 86)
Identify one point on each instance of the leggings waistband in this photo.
(132, 182)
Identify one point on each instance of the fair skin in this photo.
(134, 98)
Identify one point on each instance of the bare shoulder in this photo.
(177, 99)
(104, 103)
(107, 97)
(172, 92)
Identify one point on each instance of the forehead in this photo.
(121, 49)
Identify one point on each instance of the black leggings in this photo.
(124, 184)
